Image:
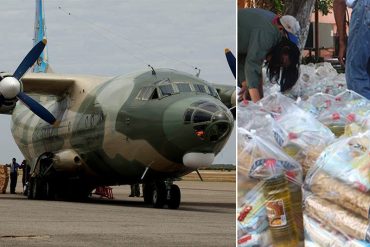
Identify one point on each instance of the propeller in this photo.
(11, 86)
(231, 61)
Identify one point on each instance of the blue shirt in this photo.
(14, 167)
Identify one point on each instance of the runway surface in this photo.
(206, 217)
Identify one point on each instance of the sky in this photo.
(115, 37)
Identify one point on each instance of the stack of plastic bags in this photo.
(346, 113)
(314, 78)
(337, 195)
(278, 119)
(270, 212)
(322, 128)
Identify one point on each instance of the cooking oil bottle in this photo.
(279, 211)
(337, 129)
(296, 204)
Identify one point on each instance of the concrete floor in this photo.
(206, 217)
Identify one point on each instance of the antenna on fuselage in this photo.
(198, 73)
(153, 71)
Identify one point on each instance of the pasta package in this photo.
(327, 187)
(348, 160)
(317, 234)
(337, 218)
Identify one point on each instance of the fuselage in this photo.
(124, 125)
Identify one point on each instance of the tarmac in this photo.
(206, 217)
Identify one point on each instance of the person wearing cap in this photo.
(287, 24)
(357, 57)
(261, 35)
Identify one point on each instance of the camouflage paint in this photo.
(115, 134)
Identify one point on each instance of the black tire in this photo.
(38, 189)
(148, 193)
(30, 189)
(175, 197)
(159, 195)
(50, 192)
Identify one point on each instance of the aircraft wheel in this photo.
(38, 189)
(148, 193)
(30, 189)
(175, 197)
(159, 195)
(50, 191)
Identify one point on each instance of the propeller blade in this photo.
(231, 61)
(30, 59)
(38, 109)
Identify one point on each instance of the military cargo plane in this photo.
(80, 132)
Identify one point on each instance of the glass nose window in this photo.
(201, 116)
(210, 107)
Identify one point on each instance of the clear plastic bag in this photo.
(300, 134)
(320, 77)
(280, 179)
(252, 219)
(337, 192)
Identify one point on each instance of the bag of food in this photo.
(348, 160)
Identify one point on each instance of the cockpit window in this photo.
(183, 87)
(147, 93)
(140, 94)
(200, 88)
(154, 94)
(166, 89)
(213, 91)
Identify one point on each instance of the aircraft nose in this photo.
(197, 129)
(211, 122)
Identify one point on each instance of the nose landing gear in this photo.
(162, 193)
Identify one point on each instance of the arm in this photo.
(339, 7)
(255, 95)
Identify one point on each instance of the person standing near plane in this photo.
(13, 175)
(261, 38)
(135, 190)
(25, 173)
(357, 59)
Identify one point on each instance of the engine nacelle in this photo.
(67, 161)
(7, 103)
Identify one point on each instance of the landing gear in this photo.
(160, 193)
(40, 185)
(174, 199)
(148, 193)
(40, 189)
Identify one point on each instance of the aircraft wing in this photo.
(49, 84)
(56, 84)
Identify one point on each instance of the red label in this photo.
(292, 136)
(244, 213)
(270, 162)
(335, 116)
(351, 117)
(244, 239)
